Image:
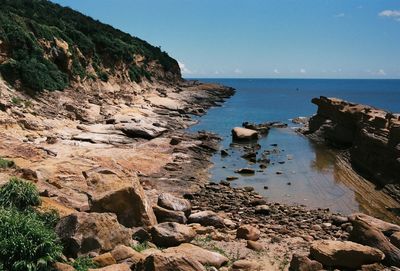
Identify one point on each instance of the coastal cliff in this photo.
(372, 137)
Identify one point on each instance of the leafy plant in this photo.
(141, 246)
(20, 194)
(83, 263)
(49, 218)
(26, 243)
(4, 163)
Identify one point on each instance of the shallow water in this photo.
(311, 174)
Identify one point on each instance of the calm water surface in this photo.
(311, 174)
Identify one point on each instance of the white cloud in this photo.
(393, 14)
(303, 71)
(184, 69)
(340, 15)
(276, 71)
(238, 71)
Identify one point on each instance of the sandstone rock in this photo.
(169, 234)
(207, 218)
(344, 254)
(114, 267)
(248, 232)
(141, 129)
(129, 203)
(254, 245)
(199, 254)
(169, 262)
(243, 134)
(245, 265)
(365, 234)
(105, 259)
(303, 263)
(63, 267)
(164, 215)
(173, 203)
(81, 233)
(383, 226)
(395, 239)
(127, 255)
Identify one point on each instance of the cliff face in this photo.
(372, 136)
(44, 46)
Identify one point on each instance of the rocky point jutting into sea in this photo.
(93, 121)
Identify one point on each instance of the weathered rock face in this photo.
(129, 203)
(170, 234)
(243, 134)
(165, 215)
(248, 232)
(173, 203)
(372, 136)
(303, 263)
(344, 254)
(169, 262)
(82, 233)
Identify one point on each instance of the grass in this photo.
(83, 264)
(141, 246)
(4, 163)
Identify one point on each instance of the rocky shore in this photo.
(369, 136)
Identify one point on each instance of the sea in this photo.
(300, 172)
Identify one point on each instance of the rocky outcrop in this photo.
(344, 254)
(82, 233)
(169, 262)
(371, 135)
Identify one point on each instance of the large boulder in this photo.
(170, 234)
(243, 134)
(344, 254)
(169, 262)
(81, 233)
(207, 218)
(248, 232)
(199, 254)
(245, 265)
(365, 234)
(383, 226)
(114, 267)
(173, 203)
(127, 255)
(129, 203)
(165, 215)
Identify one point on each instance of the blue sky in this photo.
(264, 38)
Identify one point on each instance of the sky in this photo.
(263, 38)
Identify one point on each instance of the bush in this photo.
(19, 194)
(4, 163)
(26, 243)
(84, 263)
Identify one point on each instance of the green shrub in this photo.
(141, 246)
(50, 218)
(83, 264)
(26, 243)
(4, 163)
(19, 194)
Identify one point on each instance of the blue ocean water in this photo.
(310, 172)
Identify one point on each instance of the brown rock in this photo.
(170, 234)
(303, 263)
(105, 259)
(248, 232)
(365, 234)
(199, 254)
(165, 215)
(169, 262)
(173, 203)
(383, 226)
(254, 245)
(82, 233)
(245, 265)
(123, 253)
(395, 239)
(128, 203)
(114, 267)
(63, 267)
(243, 134)
(344, 254)
(373, 267)
(207, 218)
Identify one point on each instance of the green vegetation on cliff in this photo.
(46, 46)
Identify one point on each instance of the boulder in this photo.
(140, 129)
(129, 203)
(383, 226)
(245, 265)
(254, 245)
(248, 232)
(170, 234)
(127, 255)
(395, 239)
(81, 233)
(243, 134)
(303, 263)
(207, 218)
(365, 234)
(344, 254)
(62, 267)
(173, 203)
(114, 267)
(169, 262)
(165, 215)
(199, 254)
(105, 259)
